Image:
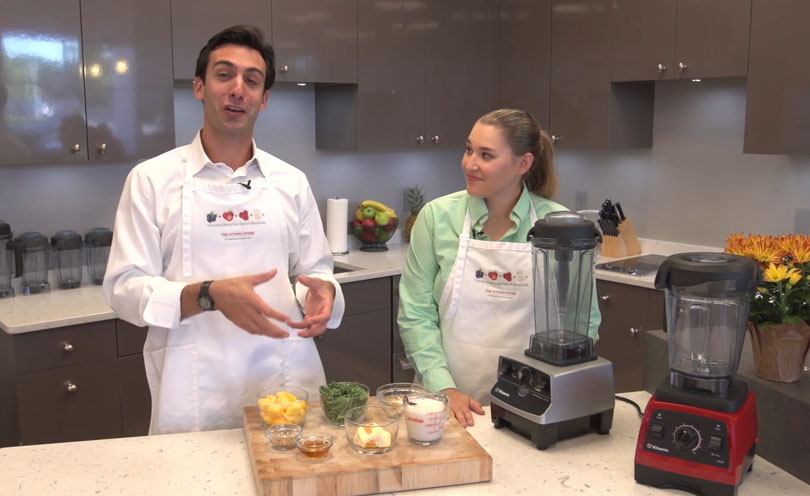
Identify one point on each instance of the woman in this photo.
(466, 291)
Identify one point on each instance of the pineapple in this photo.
(416, 200)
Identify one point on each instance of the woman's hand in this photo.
(462, 406)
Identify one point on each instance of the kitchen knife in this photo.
(621, 212)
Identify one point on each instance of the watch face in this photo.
(205, 303)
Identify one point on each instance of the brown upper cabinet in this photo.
(315, 40)
(673, 39)
(48, 63)
(586, 110)
(522, 56)
(194, 24)
(777, 109)
(423, 77)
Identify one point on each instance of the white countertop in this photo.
(217, 462)
(87, 304)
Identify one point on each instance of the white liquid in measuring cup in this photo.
(425, 420)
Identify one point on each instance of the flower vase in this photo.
(779, 350)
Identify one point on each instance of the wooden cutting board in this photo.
(456, 459)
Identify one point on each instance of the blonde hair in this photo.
(523, 134)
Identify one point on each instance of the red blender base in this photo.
(699, 450)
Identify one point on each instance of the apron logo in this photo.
(230, 216)
(518, 277)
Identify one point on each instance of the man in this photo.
(207, 239)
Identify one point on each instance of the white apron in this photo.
(202, 373)
(486, 309)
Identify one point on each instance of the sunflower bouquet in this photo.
(784, 295)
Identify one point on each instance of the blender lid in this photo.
(5, 230)
(32, 241)
(696, 268)
(564, 230)
(66, 240)
(98, 236)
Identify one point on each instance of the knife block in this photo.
(625, 244)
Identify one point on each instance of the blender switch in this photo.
(657, 430)
(715, 443)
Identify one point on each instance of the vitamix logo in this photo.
(652, 447)
(501, 392)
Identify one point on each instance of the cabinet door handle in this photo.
(404, 364)
(75, 148)
(661, 68)
(102, 147)
(605, 298)
(420, 139)
(434, 139)
(555, 138)
(682, 66)
(70, 387)
(634, 331)
(284, 69)
(66, 347)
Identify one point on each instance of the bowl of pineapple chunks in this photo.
(282, 405)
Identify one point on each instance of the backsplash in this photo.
(694, 186)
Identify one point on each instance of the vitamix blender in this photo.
(559, 388)
(699, 431)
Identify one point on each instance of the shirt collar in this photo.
(479, 213)
(199, 159)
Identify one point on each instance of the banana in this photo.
(380, 207)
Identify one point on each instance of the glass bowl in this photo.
(374, 236)
(371, 430)
(339, 397)
(283, 436)
(314, 444)
(282, 405)
(391, 395)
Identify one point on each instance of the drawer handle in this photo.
(404, 364)
(605, 298)
(67, 347)
(634, 331)
(70, 387)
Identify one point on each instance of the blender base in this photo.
(546, 435)
(665, 479)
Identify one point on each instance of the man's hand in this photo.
(237, 299)
(462, 406)
(320, 299)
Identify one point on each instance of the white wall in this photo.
(695, 184)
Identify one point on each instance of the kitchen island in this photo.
(217, 462)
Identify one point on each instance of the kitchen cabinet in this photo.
(360, 349)
(315, 40)
(627, 313)
(585, 109)
(73, 383)
(75, 86)
(777, 113)
(193, 26)
(423, 77)
(522, 56)
(674, 39)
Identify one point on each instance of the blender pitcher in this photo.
(31, 259)
(707, 300)
(97, 241)
(563, 251)
(6, 257)
(68, 248)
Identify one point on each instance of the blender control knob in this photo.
(687, 437)
(525, 375)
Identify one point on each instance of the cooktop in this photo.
(636, 266)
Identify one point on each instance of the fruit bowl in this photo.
(282, 405)
(372, 235)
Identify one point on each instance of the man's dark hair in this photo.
(244, 35)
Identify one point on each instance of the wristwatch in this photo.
(204, 299)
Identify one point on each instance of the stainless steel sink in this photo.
(344, 267)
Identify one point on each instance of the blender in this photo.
(6, 257)
(699, 431)
(97, 241)
(31, 259)
(559, 388)
(68, 248)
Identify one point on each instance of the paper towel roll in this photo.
(337, 219)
